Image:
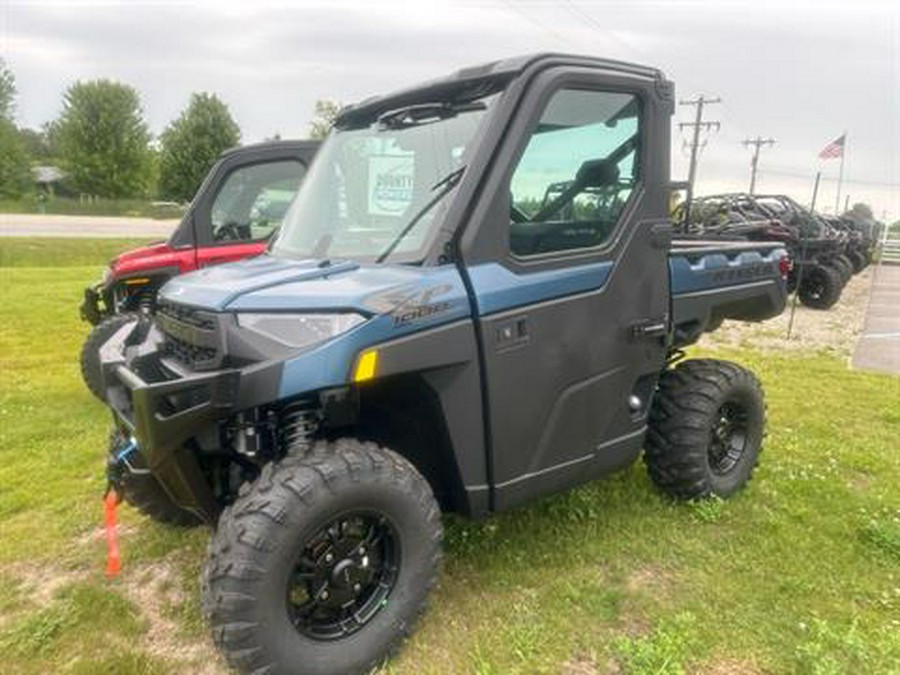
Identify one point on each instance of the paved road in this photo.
(27, 225)
(879, 345)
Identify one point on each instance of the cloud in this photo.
(800, 71)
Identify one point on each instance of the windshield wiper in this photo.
(425, 113)
(445, 184)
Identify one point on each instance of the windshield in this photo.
(381, 190)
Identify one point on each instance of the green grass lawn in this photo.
(798, 574)
(63, 251)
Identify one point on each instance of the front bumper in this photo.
(93, 308)
(164, 411)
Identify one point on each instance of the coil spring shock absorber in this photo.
(146, 302)
(298, 424)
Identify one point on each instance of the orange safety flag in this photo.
(113, 561)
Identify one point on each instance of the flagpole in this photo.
(812, 205)
(837, 200)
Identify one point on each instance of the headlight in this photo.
(299, 330)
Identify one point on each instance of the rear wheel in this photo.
(858, 260)
(820, 287)
(90, 351)
(844, 267)
(323, 564)
(706, 429)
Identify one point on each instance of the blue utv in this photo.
(475, 299)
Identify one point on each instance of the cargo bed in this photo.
(716, 280)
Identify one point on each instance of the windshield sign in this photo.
(391, 183)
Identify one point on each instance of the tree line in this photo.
(103, 144)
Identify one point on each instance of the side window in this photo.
(252, 201)
(577, 172)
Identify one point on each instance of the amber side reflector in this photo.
(365, 367)
(137, 282)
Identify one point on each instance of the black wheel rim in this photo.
(817, 286)
(343, 575)
(728, 438)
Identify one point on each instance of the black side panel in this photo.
(446, 359)
(559, 402)
(559, 374)
(609, 457)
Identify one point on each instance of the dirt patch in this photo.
(727, 667)
(579, 665)
(860, 481)
(154, 589)
(836, 329)
(632, 624)
(98, 534)
(40, 583)
(582, 664)
(652, 579)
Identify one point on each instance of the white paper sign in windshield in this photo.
(390, 184)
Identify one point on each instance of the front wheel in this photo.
(706, 429)
(324, 563)
(90, 350)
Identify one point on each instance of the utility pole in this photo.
(812, 205)
(695, 144)
(757, 143)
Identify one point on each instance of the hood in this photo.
(267, 283)
(156, 248)
(146, 257)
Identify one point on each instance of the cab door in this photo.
(573, 310)
(247, 199)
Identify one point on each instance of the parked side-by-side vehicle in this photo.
(234, 214)
(474, 300)
(825, 251)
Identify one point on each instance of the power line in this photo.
(534, 22)
(695, 144)
(792, 173)
(757, 144)
(581, 14)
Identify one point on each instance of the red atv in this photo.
(233, 215)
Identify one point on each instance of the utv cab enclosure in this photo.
(473, 301)
(233, 215)
(235, 211)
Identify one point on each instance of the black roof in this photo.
(479, 80)
(273, 145)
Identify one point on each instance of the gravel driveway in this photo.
(834, 330)
(31, 225)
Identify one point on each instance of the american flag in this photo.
(833, 149)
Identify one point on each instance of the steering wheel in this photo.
(516, 214)
(229, 231)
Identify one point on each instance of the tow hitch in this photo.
(119, 466)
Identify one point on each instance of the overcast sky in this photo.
(801, 72)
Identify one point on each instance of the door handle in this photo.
(650, 329)
(512, 333)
